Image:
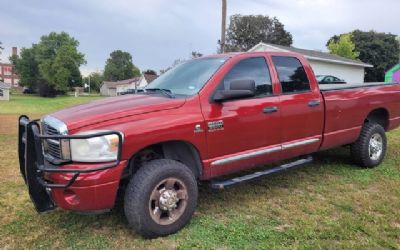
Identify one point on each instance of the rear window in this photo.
(291, 73)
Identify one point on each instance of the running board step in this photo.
(230, 182)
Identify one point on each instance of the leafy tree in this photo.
(52, 65)
(343, 47)
(59, 60)
(376, 48)
(27, 67)
(196, 54)
(136, 71)
(246, 31)
(119, 66)
(398, 41)
(150, 72)
(1, 47)
(96, 79)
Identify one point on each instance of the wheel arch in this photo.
(179, 150)
(379, 116)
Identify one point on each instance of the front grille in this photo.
(49, 130)
(51, 147)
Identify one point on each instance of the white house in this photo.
(323, 63)
(4, 91)
(109, 88)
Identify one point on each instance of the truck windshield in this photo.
(189, 77)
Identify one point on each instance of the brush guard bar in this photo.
(34, 166)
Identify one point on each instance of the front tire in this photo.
(160, 198)
(370, 148)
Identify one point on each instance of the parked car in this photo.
(327, 79)
(203, 119)
(28, 90)
(131, 91)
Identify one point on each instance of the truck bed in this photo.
(328, 87)
(347, 106)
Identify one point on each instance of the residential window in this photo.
(291, 74)
(251, 69)
(1, 93)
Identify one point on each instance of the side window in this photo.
(291, 74)
(251, 69)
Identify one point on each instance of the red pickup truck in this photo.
(205, 118)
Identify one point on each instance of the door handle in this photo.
(314, 103)
(268, 110)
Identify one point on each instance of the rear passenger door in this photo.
(301, 108)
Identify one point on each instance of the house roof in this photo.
(4, 85)
(113, 85)
(314, 55)
(150, 77)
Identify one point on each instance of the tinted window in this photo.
(291, 74)
(251, 69)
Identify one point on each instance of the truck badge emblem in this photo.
(215, 125)
(198, 129)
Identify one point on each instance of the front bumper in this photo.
(82, 187)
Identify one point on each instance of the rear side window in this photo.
(251, 69)
(291, 74)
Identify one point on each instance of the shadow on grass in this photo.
(218, 202)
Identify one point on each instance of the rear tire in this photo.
(160, 198)
(370, 148)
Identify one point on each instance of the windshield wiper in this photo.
(166, 92)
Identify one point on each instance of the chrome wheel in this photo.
(168, 201)
(375, 146)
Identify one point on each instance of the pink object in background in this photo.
(396, 76)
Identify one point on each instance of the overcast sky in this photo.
(156, 32)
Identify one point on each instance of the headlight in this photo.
(96, 149)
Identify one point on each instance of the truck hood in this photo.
(113, 108)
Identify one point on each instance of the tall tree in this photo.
(50, 65)
(196, 54)
(150, 72)
(59, 60)
(119, 66)
(376, 48)
(1, 47)
(27, 67)
(344, 47)
(398, 41)
(246, 31)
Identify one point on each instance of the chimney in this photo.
(14, 51)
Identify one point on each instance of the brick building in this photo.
(6, 72)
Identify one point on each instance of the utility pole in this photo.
(223, 26)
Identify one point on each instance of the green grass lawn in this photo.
(330, 204)
(30, 104)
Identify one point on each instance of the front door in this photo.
(246, 132)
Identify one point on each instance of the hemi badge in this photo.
(215, 125)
